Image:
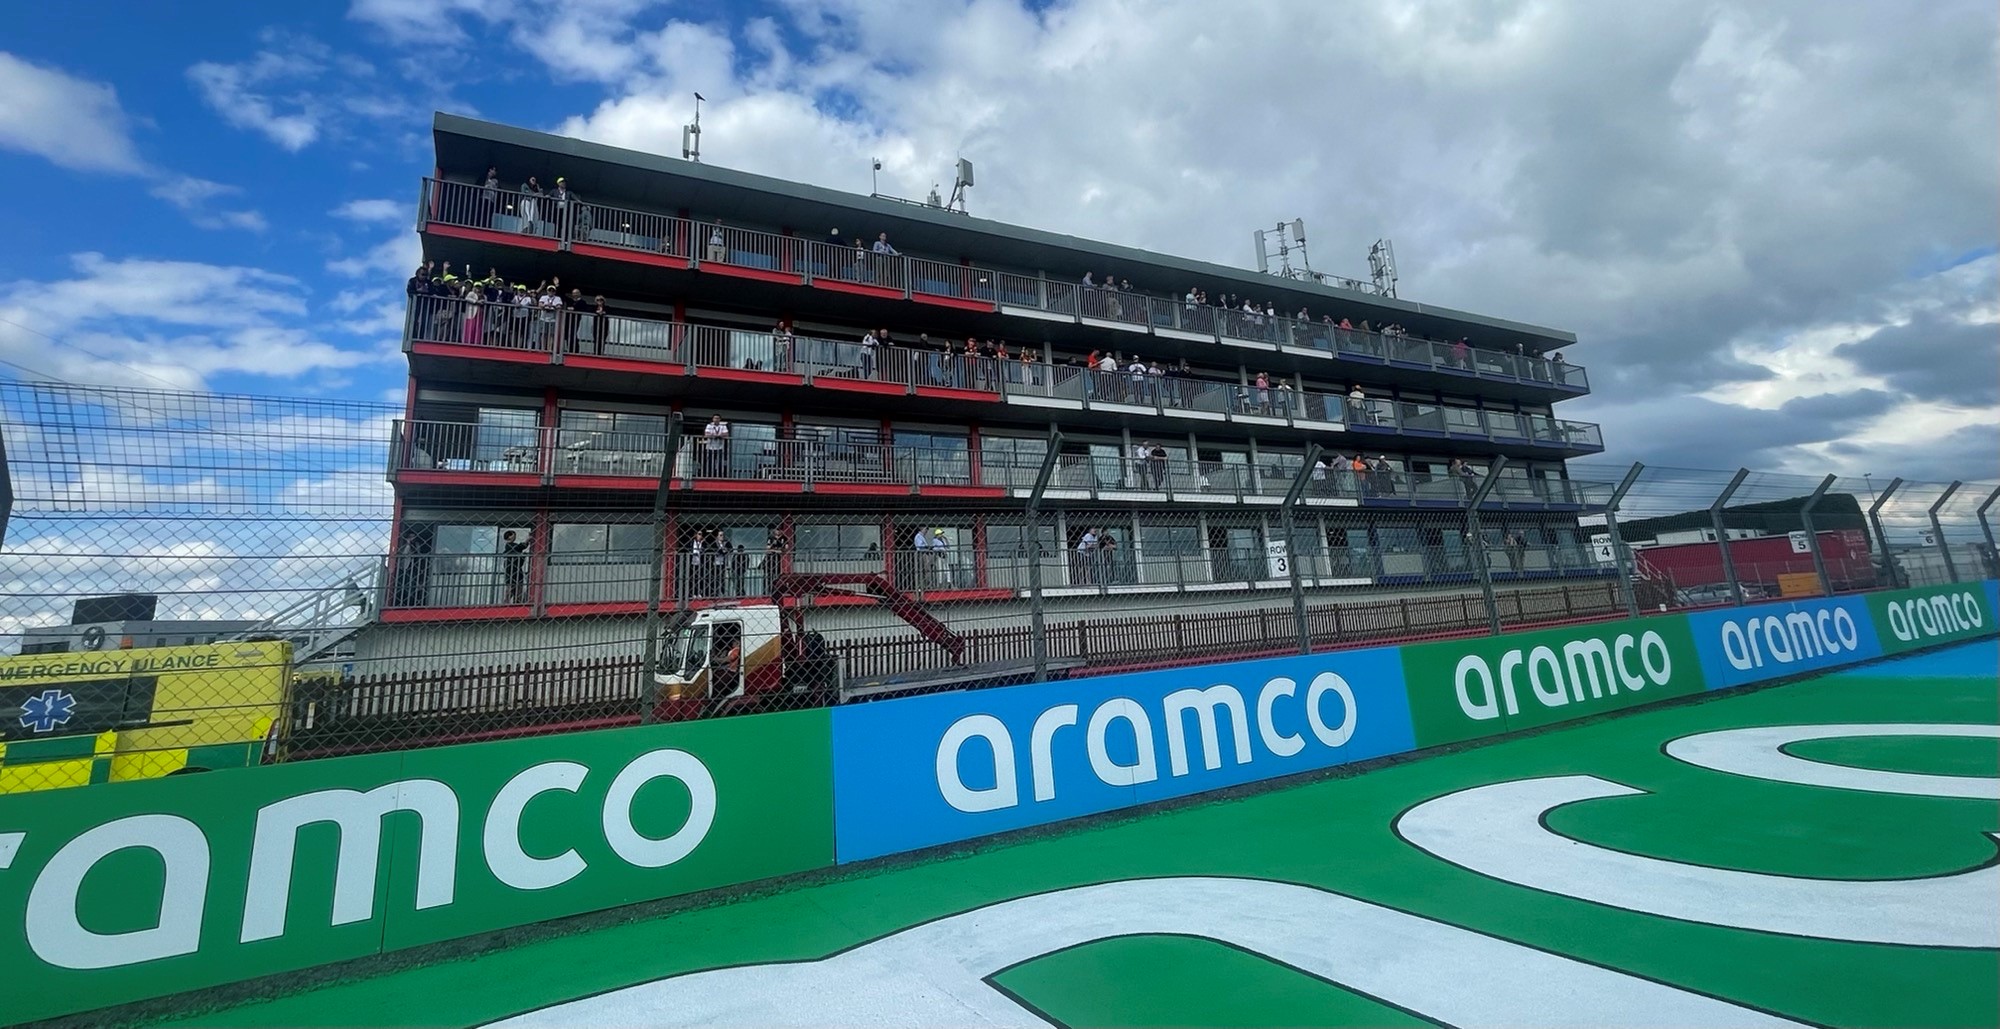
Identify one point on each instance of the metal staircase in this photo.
(323, 619)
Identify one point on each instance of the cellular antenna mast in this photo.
(691, 134)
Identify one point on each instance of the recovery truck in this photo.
(759, 655)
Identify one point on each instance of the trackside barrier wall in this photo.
(928, 770)
(134, 890)
(128, 891)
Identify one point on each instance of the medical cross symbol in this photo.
(46, 710)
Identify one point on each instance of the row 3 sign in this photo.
(143, 889)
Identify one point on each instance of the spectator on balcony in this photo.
(514, 563)
(444, 296)
(1357, 406)
(1468, 480)
(774, 557)
(548, 311)
(739, 569)
(868, 344)
(945, 572)
(1358, 467)
(522, 310)
(1461, 355)
(718, 245)
(1283, 397)
(782, 342)
(697, 564)
(1186, 383)
(1030, 370)
(1136, 383)
(562, 199)
(885, 259)
(1517, 551)
(489, 198)
(859, 269)
(531, 204)
(1321, 484)
(1083, 562)
(1156, 460)
(1384, 475)
(575, 307)
(600, 325)
(419, 283)
(1141, 478)
(714, 447)
(1261, 390)
(1107, 376)
(1107, 556)
(472, 330)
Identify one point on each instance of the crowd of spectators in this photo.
(464, 307)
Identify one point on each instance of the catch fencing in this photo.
(445, 581)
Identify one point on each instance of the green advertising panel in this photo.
(1465, 689)
(126, 891)
(1929, 615)
(551, 827)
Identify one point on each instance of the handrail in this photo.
(509, 326)
(430, 446)
(548, 215)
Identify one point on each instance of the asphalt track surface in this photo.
(1835, 867)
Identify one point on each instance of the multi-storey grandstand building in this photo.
(864, 406)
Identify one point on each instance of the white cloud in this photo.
(168, 323)
(394, 256)
(69, 121)
(235, 92)
(372, 211)
(193, 196)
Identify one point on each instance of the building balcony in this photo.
(445, 328)
(456, 455)
(423, 587)
(509, 218)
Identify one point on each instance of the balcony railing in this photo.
(568, 220)
(430, 580)
(517, 327)
(433, 446)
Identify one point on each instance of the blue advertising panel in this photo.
(922, 771)
(1744, 645)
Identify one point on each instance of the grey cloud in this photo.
(1934, 359)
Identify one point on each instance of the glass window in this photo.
(848, 546)
(505, 435)
(933, 457)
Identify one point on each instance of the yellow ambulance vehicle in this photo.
(71, 719)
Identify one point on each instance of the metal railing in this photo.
(567, 218)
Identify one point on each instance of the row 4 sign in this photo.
(143, 889)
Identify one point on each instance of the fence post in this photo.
(1722, 535)
(1812, 536)
(1985, 528)
(1038, 640)
(1875, 522)
(1944, 546)
(649, 667)
(1287, 514)
(7, 493)
(1618, 555)
(1478, 541)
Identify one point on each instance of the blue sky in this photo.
(1771, 224)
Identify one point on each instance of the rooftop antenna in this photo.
(958, 188)
(1382, 266)
(1285, 238)
(691, 135)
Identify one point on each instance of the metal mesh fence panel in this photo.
(199, 581)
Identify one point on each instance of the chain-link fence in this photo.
(196, 581)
